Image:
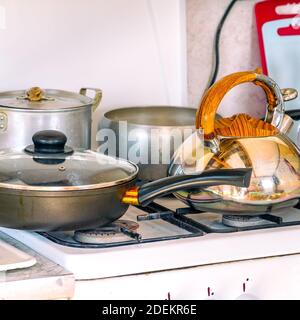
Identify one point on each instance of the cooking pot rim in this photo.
(68, 100)
(108, 115)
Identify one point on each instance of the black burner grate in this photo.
(267, 220)
(187, 219)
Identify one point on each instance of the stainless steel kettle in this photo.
(241, 142)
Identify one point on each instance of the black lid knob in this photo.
(49, 142)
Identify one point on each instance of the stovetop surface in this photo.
(177, 240)
(169, 219)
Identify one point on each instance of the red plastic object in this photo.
(266, 11)
(289, 31)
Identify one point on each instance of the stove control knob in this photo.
(247, 296)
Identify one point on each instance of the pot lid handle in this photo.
(289, 94)
(49, 142)
(35, 94)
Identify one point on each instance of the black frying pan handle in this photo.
(235, 177)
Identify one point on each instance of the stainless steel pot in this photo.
(151, 123)
(22, 113)
(49, 186)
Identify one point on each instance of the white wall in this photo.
(239, 51)
(132, 49)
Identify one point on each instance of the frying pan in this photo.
(48, 186)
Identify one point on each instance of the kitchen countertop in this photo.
(44, 280)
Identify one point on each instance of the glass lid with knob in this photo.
(50, 165)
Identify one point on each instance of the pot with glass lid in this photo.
(50, 186)
(24, 112)
(242, 142)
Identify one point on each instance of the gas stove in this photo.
(153, 245)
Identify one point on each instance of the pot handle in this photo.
(148, 192)
(97, 97)
(205, 117)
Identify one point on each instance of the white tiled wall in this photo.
(239, 51)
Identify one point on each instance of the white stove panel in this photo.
(165, 255)
(272, 278)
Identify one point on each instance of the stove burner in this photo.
(119, 228)
(240, 221)
(187, 222)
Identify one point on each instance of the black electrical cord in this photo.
(215, 68)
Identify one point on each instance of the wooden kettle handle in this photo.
(205, 117)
